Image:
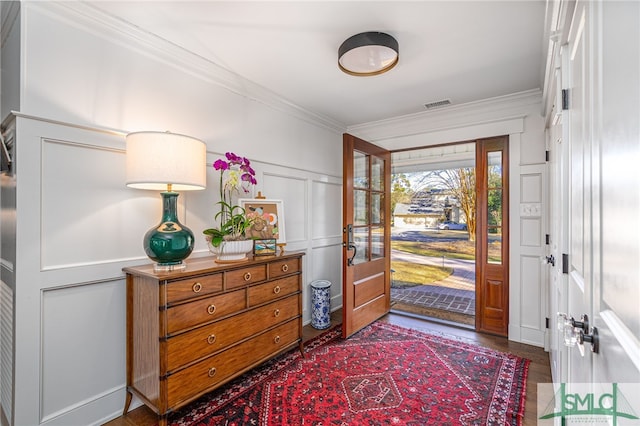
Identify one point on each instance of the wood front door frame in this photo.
(492, 275)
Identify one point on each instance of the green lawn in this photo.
(453, 250)
(409, 274)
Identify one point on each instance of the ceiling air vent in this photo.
(438, 104)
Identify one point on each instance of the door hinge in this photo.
(547, 155)
(546, 323)
(565, 99)
(565, 263)
(547, 239)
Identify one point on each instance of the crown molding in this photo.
(489, 110)
(95, 21)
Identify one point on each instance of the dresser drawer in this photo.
(284, 267)
(208, 373)
(245, 276)
(198, 286)
(272, 290)
(198, 343)
(200, 311)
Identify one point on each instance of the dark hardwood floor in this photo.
(539, 369)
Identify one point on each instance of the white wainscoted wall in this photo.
(69, 223)
(79, 225)
(85, 81)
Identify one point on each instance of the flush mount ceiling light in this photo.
(369, 53)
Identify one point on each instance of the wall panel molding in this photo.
(84, 201)
(531, 232)
(60, 123)
(328, 268)
(531, 188)
(326, 211)
(73, 315)
(531, 296)
(293, 191)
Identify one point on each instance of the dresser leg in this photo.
(162, 421)
(127, 403)
(301, 346)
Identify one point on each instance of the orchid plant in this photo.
(236, 176)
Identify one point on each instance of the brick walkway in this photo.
(456, 293)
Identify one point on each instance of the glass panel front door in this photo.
(368, 207)
(366, 254)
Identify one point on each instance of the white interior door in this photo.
(577, 137)
(558, 243)
(617, 282)
(601, 144)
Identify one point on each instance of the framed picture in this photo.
(266, 247)
(268, 218)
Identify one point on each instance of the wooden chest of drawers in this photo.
(190, 332)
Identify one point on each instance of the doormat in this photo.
(429, 312)
(384, 374)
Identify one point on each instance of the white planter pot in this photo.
(231, 251)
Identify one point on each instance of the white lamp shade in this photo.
(156, 159)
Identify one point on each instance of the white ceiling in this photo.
(459, 50)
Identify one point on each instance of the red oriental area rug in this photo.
(382, 375)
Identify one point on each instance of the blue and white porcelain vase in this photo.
(321, 304)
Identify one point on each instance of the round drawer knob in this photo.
(211, 339)
(276, 313)
(247, 276)
(196, 287)
(285, 267)
(211, 309)
(276, 289)
(212, 371)
(276, 339)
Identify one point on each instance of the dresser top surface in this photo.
(206, 265)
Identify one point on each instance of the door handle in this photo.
(578, 332)
(355, 251)
(350, 245)
(591, 338)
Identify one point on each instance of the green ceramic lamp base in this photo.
(169, 242)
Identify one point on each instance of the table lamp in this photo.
(167, 162)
